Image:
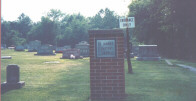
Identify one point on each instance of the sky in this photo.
(35, 9)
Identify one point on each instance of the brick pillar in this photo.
(107, 77)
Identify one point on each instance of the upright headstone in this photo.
(107, 77)
(84, 48)
(33, 46)
(45, 49)
(12, 79)
(71, 52)
(19, 48)
(61, 49)
(148, 53)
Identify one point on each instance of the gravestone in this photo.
(33, 46)
(84, 48)
(61, 49)
(148, 53)
(3, 46)
(69, 52)
(135, 50)
(45, 49)
(107, 77)
(67, 47)
(12, 79)
(19, 48)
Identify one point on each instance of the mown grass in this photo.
(69, 80)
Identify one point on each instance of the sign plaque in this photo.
(106, 48)
(127, 22)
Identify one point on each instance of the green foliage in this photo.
(167, 23)
(55, 14)
(57, 28)
(15, 33)
(104, 19)
(24, 25)
(74, 29)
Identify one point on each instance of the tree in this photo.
(104, 19)
(24, 25)
(55, 14)
(73, 30)
(168, 23)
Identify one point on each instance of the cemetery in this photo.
(143, 52)
(71, 78)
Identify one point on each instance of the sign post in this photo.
(128, 23)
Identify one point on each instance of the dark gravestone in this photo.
(33, 46)
(71, 52)
(12, 79)
(3, 46)
(148, 52)
(61, 49)
(45, 50)
(84, 48)
(135, 50)
(12, 74)
(19, 48)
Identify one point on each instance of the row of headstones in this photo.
(46, 49)
(142, 52)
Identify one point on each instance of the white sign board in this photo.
(127, 22)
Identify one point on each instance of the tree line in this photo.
(171, 24)
(56, 28)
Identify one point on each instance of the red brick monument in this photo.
(107, 77)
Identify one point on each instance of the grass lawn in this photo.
(69, 80)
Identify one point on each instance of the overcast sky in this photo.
(11, 9)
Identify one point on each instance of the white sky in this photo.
(11, 9)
